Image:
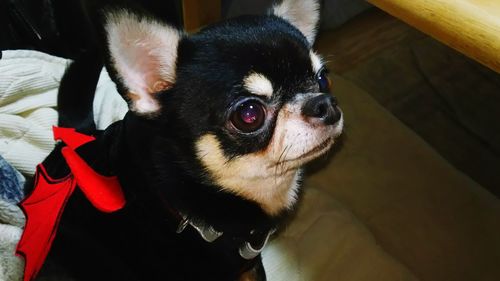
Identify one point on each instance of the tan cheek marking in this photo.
(249, 176)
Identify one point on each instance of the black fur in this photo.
(79, 81)
(156, 163)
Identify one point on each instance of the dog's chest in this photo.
(133, 243)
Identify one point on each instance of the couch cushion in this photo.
(326, 242)
(421, 210)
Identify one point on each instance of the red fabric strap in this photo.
(105, 193)
(44, 206)
(42, 209)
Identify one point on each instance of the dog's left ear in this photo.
(303, 14)
(142, 56)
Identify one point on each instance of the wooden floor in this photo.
(448, 99)
(363, 38)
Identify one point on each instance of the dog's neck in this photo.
(145, 177)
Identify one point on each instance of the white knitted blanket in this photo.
(29, 82)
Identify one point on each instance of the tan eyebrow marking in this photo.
(317, 61)
(258, 84)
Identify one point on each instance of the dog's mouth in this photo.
(314, 152)
(309, 155)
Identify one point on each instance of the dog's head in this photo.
(247, 99)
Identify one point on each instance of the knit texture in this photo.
(28, 100)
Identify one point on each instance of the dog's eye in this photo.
(248, 116)
(324, 81)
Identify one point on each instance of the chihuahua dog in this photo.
(210, 153)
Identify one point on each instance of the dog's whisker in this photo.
(287, 150)
(280, 163)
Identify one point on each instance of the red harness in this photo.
(44, 206)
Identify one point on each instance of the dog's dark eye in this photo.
(324, 81)
(248, 116)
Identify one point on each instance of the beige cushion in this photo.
(422, 211)
(326, 242)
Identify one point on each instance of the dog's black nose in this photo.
(324, 108)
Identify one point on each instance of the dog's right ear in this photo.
(303, 14)
(142, 57)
